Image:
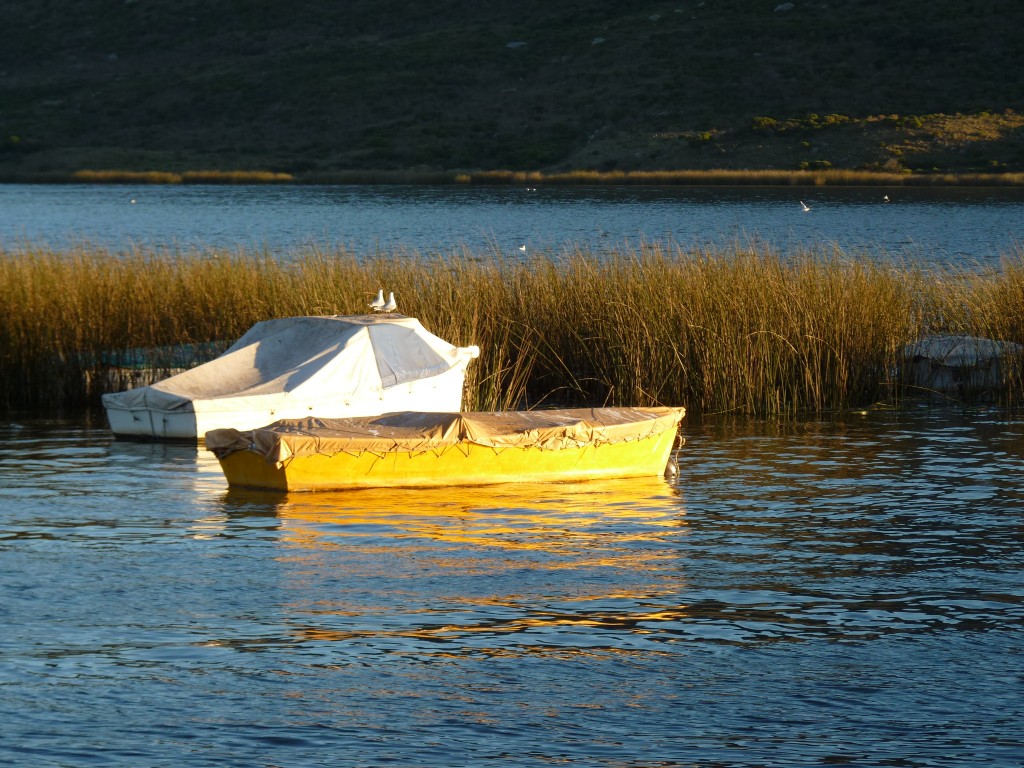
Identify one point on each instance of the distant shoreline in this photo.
(753, 177)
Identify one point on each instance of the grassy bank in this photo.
(695, 177)
(747, 177)
(742, 331)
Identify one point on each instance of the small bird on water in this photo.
(805, 206)
(378, 303)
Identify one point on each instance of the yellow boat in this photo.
(419, 449)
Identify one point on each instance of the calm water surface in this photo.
(844, 592)
(958, 225)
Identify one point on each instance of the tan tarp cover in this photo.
(315, 359)
(414, 432)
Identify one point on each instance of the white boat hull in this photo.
(438, 394)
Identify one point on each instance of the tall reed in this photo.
(739, 329)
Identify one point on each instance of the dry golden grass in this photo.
(125, 177)
(802, 178)
(188, 177)
(236, 177)
(738, 330)
(693, 177)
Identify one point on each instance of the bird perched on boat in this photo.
(805, 206)
(391, 306)
(378, 304)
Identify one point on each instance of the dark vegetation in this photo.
(327, 87)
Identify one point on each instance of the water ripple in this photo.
(842, 592)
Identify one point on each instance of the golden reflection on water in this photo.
(602, 518)
(618, 623)
(478, 570)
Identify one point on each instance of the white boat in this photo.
(296, 367)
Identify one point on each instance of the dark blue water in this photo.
(830, 593)
(963, 226)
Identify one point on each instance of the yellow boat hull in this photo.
(462, 464)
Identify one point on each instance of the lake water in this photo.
(827, 593)
(963, 226)
(844, 592)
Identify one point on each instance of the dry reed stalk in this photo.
(742, 330)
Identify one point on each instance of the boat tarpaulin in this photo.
(960, 351)
(968, 367)
(412, 432)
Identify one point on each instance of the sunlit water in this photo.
(963, 226)
(846, 592)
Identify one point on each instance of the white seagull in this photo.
(805, 206)
(391, 306)
(378, 304)
(886, 198)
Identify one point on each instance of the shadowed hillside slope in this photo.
(324, 86)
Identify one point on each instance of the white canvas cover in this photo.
(960, 351)
(963, 366)
(296, 367)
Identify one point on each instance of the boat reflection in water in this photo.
(545, 517)
(502, 568)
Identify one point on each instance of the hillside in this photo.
(325, 86)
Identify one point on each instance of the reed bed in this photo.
(739, 330)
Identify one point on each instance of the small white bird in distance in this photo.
(391, 306)
(886, 198)
(805, 206)
(378, 304)
(522, 248)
